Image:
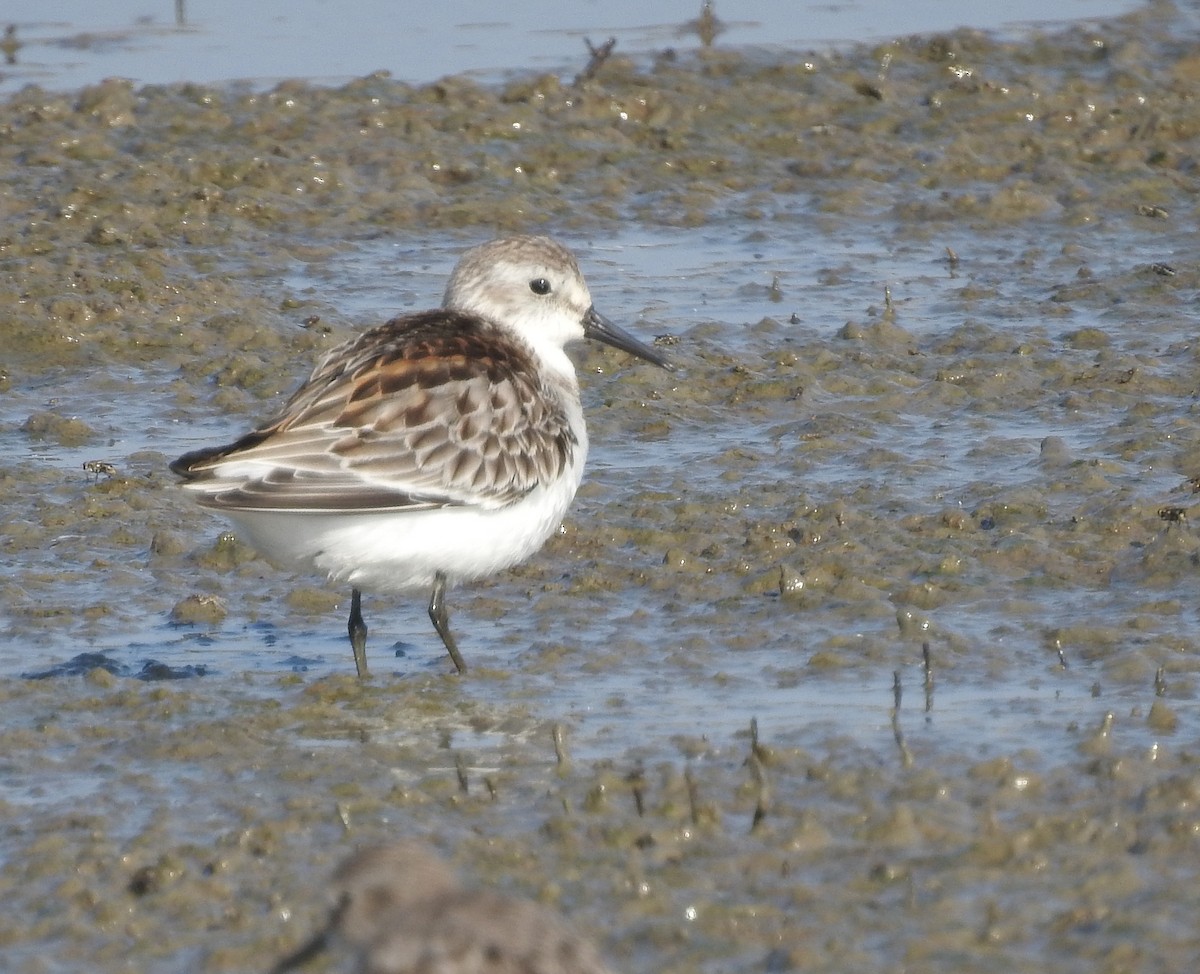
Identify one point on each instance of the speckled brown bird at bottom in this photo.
(401, 910)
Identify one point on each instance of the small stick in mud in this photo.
(560, 747)
(693, 795)
(906, 758)
(927, 663)
(637, 784)
(598, 56)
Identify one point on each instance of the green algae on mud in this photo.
(116, 197)
(996, 456)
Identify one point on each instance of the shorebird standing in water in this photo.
(437, 448)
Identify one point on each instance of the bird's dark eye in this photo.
(539, 285)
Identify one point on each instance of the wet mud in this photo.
(917, 501)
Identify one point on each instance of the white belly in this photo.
(398, 551)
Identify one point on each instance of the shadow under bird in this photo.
(440, 447)
(401, 910)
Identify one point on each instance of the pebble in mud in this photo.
(402, 911)
(65, 430)
(204, 610)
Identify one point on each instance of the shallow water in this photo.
(933, 305)
(215, 41)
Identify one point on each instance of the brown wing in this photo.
(433, 409)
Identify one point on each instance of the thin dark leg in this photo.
(358, 633)
(437, 612)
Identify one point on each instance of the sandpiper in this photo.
(440, 447)
(402, 911)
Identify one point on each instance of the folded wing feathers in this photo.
(399, 417)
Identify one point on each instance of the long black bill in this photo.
(596, 326)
